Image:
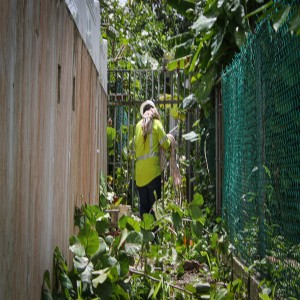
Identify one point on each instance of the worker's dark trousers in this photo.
(147, 196)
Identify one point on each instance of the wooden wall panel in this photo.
(53, 138)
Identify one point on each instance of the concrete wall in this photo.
(53, 138)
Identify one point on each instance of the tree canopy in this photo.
(138, 32)
(219, 29)
(196, 35)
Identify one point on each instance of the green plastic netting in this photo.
(261, 187)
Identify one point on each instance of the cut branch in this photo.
(158, 280)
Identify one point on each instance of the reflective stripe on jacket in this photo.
(147, 164)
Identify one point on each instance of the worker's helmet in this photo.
(147, 102)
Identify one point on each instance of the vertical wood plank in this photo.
(48, 150)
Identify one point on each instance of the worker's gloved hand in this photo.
(171, 138)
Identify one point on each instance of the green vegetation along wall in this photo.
(261, 195)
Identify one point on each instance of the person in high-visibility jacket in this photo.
(149, 136)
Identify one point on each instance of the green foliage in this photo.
(279, 13)
(137, 32)
(219, 29)
(142, 258)
(111, 135)
(104, 195)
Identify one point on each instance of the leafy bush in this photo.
(146, 258)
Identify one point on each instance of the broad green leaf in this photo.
(92, 212)
(176, 220)
(122, 222)
(123, 237)
(59, 260)
(190, 287)
(158, 287)
(155, 251)
(197, 199)
(86, 275)
(203, 24)
(197, 228)
(108, 260)
(65, 281)
(195, 212)
(182, 6)
(213, 240)
(79, 218)
(133, 243)
(102, 225)
(214, 7)
(120, 290)
(195, 57)
(260, 9)
(217, 41)
(240, 37)
(280, 17)
(220, 3)
(189, 101)
(80, 263)
(111, 135)
(77, 249)
(264, 297)
(89, 239)
(218, 220)
(191, 136)
(183, 50)
(207, 108)
(267, 170)
(231, 7)
(104, 290)
(46, 295)
(240, 18)
(148, 220)
(46, 279)
(124, 41)
(195, 78)
(148, 236)
(111, 32)
(205, 60)
(114, 273)
(205, 85)
(134, 224)
(179, 269)
(181, 38)
(102, 276)
(176, 208)
(176, 64)
(269, 12)
(295, 22)
(101, 249)
(103, 186)
(196, 123)
(151, 292)
(124, 262)
(221, 294)
(79, 290)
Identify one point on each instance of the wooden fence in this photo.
(53, 138)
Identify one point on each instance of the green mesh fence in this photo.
(261, 187)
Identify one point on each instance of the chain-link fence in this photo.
(261, 187)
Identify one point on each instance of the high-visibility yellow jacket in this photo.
(147, 164)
